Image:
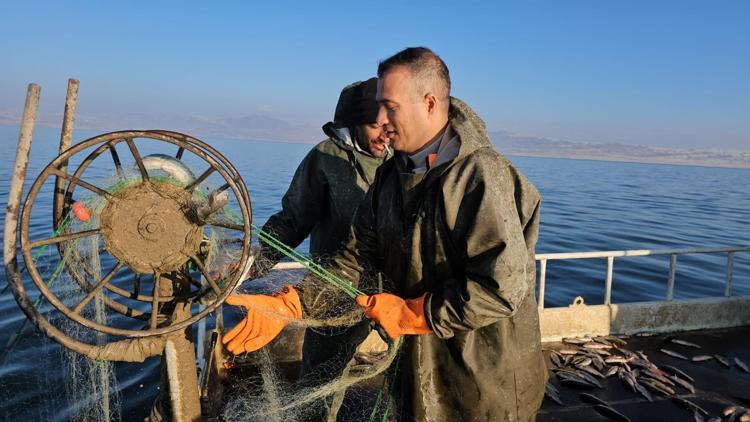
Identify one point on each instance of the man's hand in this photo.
(266, 317)
(396, 315)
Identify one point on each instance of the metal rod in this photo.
(138, 159)
(19, 173)
(672, 271)
(155, 301)
(81, 183)
(542, 281)
(115, 158)
(180, 151)
(200, 179)
(608, 282)
(66, 135)
(229, 226)
(137, 285)
(100, 285)
(638, 252)
(64, 238)
(206, 275)
(730, 269)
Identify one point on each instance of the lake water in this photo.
(587, 206)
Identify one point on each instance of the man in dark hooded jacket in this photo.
(320, 202)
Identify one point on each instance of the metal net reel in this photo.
(154, 221)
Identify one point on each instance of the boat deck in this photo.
(716, 386)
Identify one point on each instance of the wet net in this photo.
(44, 381)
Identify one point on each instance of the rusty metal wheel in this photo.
(149, 226)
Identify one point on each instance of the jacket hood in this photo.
(469, 127)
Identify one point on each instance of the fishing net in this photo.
(355, 382)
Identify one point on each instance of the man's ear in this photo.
(431, 102)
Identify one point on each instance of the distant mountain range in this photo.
(262, 127)
(529, 146)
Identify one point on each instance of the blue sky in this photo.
(668, 73)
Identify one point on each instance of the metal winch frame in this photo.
(148, 227)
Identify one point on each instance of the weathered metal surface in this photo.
(628, 318)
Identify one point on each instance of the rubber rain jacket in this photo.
(464, 232)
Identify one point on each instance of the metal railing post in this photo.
(542, 281)
(730, 263)
(608, 282)
(672, 270)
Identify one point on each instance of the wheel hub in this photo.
(147, 227)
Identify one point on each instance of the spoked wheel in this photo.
(152, 226)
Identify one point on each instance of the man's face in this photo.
(402, 113)
(377, 141)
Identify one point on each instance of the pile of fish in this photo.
(584, 362)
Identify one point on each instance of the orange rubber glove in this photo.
(396, 315)
(266, 317)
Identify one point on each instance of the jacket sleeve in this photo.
(302, 206)
(352, 263)
(486, 204)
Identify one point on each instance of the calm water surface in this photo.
(587, 205)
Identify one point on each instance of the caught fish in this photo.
(592, 399)
(617, 359)
(701, 358)
(598, 363)
(641, 355)
(553, 393)
(615, 340)
(687, 404)
(597, 346)
(578, 383)
(682, 383)
(627, 380)
(603, 340)
(576, 340)
(673, 354)
(568, 351)
(582, 360)
(724, 361)
(675, 371)
(556, 360)
(611, 371)
(741, 364)
(685, 343)
(641, 389)
(611, 413)
(658, 387)
(590, 370)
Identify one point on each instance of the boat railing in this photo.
(611, 255)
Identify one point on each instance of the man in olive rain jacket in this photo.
(453, 225)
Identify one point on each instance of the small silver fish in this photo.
(701, 358)
(617, 359)
(724, 361)
(568, 351)
(673, 354)
(742, 365)
(610, 413)
(553, 393)
(684, 384)
(597, 346)
(685, 343)
(592, 399)
(687, 404)
(641, 389)
(576, 340)
(611, 371)
(675, 371)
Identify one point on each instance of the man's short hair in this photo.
(427, 68)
